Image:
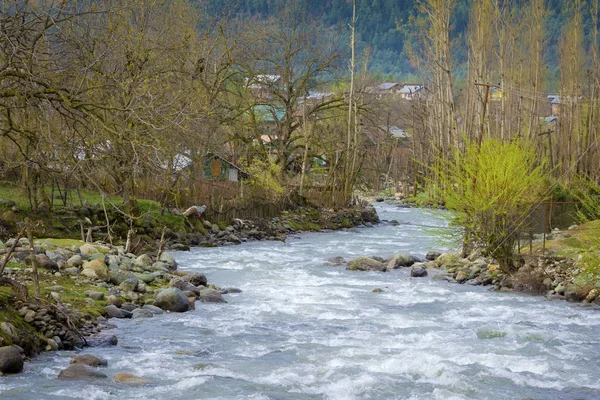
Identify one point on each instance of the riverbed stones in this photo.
(432, 255)
(114, 312)
(96, 269)
(141, 313)
(196, 279)
(11, 360)
(169, 260)
(172, 300)
(92, 294)
(130, 284)
(89, 360)
(80, 371)
(461, 276)
(143, 261)
(399, 260)
(10, 332)
(366, 264)
(153, 309)
(130, 379)
(88, 249)
(184, 285)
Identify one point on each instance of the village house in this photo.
(218, 168)
(411, 91)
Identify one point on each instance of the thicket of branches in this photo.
(113, 95)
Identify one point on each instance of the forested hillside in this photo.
(383, 27)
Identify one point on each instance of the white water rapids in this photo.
(303, 330)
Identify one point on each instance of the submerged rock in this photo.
(335, 261)
(130, 379)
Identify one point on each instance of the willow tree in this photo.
(489, 192)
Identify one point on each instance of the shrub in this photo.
(489, 190)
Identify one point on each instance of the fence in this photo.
(547, 219)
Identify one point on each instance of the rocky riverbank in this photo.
(554, 277)
(83, 285)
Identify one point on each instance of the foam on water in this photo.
(305, 330)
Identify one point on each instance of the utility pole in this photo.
(548, 133)
(482, 119)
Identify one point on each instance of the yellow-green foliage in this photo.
(265, 175)
(488, 191)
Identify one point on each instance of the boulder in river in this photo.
(365, 264)
(89, 360)
(172, 299)
(401, 260)
(211, 296)
(196, 279)
(80, 371)
(418, 272)
(11, 360)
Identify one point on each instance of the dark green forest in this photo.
(383, 27)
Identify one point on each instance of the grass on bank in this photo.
(149, 208)
(582, 244)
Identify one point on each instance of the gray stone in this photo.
(146, 278)
(113, 312)
(143, 261)
(573, 294)
(79, 371)
(127, 306)
(232, 290)
(432, 255)
(169, 260)
(92, 294)
(418, 272)
(153, 309)
(365, 264)
(211, 296)
(142, 313)
(71, 271)
(184, 286)
(173, 300)
(10, 332)
(90, 360)
(401, 260)
(130, 284)
(113, 300)
(159, 266)
(196, 279)
(11, 360)
(117, 276)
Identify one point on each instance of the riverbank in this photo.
(82, 285)
(304, 329)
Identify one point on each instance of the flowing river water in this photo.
(303, 330)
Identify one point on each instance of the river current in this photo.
(303, 330)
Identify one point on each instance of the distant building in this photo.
(410, 91)
(218, 168)
(555, 103)
(264, 85)
(495, 94)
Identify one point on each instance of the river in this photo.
(303, 330)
